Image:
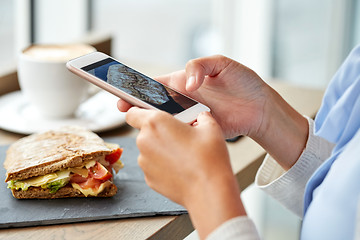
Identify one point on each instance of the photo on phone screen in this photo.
(139, 85)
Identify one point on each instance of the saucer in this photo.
(98, 113)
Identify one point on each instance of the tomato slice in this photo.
(99, 172)
(77, 178)
(97, 175)
(114, 156)
(91, 183)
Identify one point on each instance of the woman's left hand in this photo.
(188, 164)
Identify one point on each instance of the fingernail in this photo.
(190, 82)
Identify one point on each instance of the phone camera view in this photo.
(139, 86)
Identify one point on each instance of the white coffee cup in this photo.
(47, 84)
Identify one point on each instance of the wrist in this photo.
(283, 132)
(217, 201)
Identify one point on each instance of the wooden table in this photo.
(246, 157)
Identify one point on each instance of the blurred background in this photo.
(302, 42)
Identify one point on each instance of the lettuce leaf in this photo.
(53, 186)
(56, 185)
(17, 185)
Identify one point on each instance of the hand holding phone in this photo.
(134, 87)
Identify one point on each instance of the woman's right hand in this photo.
(235, 94)
(243, 104)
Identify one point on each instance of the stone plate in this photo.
(134, 199)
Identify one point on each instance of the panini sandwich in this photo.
(62, 163)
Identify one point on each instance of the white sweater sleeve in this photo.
(236, 228)
(288, 186)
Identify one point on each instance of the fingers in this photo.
(123, 106)
(175, 80)
(136, 117)
(206, 121)
(197, 69)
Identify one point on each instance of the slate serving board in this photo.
(134, 199)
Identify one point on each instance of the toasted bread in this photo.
(40, 159)
(47, 152)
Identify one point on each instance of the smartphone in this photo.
(134, 87)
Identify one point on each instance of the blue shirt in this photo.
(332, 193)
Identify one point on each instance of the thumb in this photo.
(198, 69)
(205, 120)
(195, 74)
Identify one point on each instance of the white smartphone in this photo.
(134, 87)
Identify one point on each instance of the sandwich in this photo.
(62, 163)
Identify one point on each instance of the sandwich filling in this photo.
(90, 179)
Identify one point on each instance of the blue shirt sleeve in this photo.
(338, 117)
(332, 193)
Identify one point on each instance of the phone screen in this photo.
(139, 85)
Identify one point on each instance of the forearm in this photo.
(216, 202)
(283, 132)
(288, 187)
